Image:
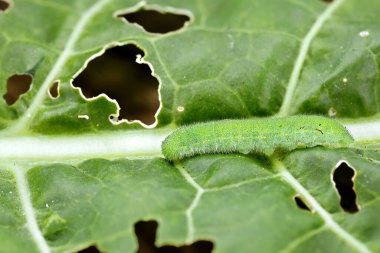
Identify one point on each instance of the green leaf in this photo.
(70, 178)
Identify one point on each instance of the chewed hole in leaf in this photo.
(343, 177)
(4, 5)
(54, 90)
(16, 86)
(146, 236)
(121, 75)
(327, 1)
(301, 204)
(155, 21)
(91, 249)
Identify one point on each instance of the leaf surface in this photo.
(67, 182)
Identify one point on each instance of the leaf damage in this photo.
(156, 20)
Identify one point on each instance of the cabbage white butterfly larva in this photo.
(267, 136)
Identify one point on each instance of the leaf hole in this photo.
(156, 21)
(343, 177)
(146, 236)
(54, 90)
(91, 249)
(300, 203)
(122, 76)
(4, 5)
(16, 86)
(327, 1)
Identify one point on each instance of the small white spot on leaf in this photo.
(139, 59)
(114, 118)
(232, 41)
(332, 112)
(364, 34)
(180, 108)
(86, 117)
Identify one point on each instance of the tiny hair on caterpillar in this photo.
(262, 135)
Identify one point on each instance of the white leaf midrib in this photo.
(130, 144)
(364, 131)
(124, 144)
(58, 65)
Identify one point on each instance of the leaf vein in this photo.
(31, 221)
(58, 65)
(330, 223)
(302, 54)
(193, 205)
(302, 238)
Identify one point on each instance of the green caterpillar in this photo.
(266, 136)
